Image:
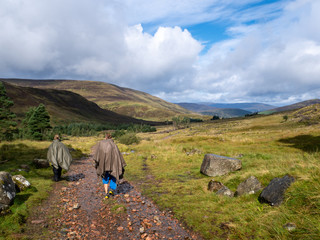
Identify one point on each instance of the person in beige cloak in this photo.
(109, 164)
(59, 157)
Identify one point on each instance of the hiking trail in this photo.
(77, 209)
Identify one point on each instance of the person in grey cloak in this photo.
(109, 164)
(59, 157)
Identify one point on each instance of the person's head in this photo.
(56, 137)
(108, 136)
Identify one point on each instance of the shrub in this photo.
(215, 117)
(180, 122)
(118, 133)
(129, 138)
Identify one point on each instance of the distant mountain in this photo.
(214, 111)
(121, 100)
(251, 107)
(196, 107)
(227, 112)
(293, 106)
(63, 106)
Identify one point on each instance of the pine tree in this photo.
(36, 122)
(7, 124)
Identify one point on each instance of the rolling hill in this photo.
(292, 106)
(214, 111)
(251, 107)
(309, 115)
(63, 106)
(121, 100)
(227, 112)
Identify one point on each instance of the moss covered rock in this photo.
(21, 182)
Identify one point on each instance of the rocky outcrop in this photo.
(215, 165)
(7, 189)
(249, 186)
(41, 163)
(21, 182)
(273, 194)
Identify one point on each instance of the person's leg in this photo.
(106, 188)
(106, 183)
(55, 174)
(113, 183)
(59, 173)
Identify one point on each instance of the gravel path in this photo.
(76, 209)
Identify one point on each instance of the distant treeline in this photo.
(91, 129)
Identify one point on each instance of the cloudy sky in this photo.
(182, 51)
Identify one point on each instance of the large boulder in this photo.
(273, 194)
(21, 182)
(215, 165)
(249, 186)
(41, 163)
(7, 189)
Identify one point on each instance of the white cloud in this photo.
(278, 58)
(275, 60)
(163, 60)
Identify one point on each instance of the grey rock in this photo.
(224, 191)
(215, 165)
(250, 186)
(214, 186)
(290, 226)
(21, 182)
(273, 194)
(7, 189)
(41, 163)
(25, 167)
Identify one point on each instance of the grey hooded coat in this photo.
(59, 155)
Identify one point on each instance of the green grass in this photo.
(268, 148)
(12, 156)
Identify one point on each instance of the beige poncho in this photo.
(59, 155)
(108, 158)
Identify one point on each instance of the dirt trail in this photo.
(76, 209)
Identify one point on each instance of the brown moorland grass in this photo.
(268, 147)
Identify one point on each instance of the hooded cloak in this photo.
(59, 155)
(109, 159)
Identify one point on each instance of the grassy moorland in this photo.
(124, 101)
(166, 166)
(12, 156)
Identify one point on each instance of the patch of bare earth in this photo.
(77, 209)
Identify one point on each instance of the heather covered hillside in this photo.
(121, 100)
(63, 106)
